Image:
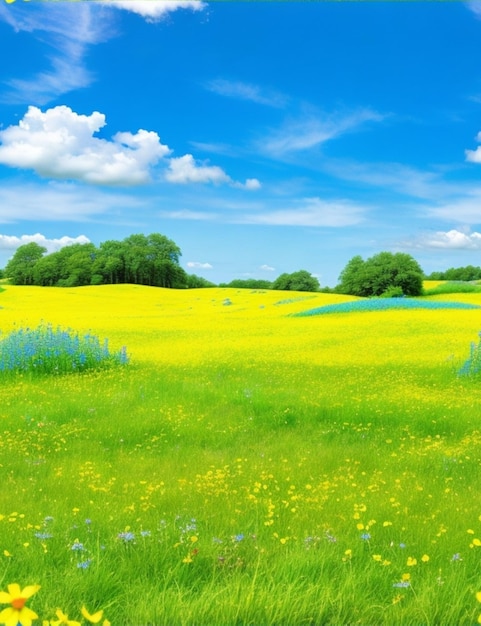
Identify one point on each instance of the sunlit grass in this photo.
(247, 466)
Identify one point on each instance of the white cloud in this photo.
(452, 239)
(184, 170)
(154, 10)
(312, 212)
(70, 28)
(313, 130)
(251, 184)
(474, 156)
(267, 268)
(198, 265)
(247, 91)
(11, 243)
(64, 202)
(60, 144)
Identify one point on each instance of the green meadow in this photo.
(248, 465)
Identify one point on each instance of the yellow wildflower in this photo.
(17, 613)
(92, 618)
(63, 619)
(411, 561)
(425, 558)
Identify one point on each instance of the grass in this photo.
(247, 466)
(446, 287)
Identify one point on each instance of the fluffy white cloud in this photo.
(154, 10)
(267, 268)
(198, 265)
(60, 144)
(8, 242)
(183, 170)
(247, 91)
(312, 212)
(452, 239)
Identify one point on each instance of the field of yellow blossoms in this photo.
(259, 460)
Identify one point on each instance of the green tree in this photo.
(381, 272)
(197, 282)
(301, 280)
(20, 268)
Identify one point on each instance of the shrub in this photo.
(45, 350)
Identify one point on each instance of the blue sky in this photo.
(262, 137)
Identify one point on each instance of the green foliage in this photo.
(379, 273)
(452, 287)
(197, 282)
(139, 259)
(469, 272)
(297, 281)
(393, 292)
(248, 283)
(20, 268)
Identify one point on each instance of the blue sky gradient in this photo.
(261, 137)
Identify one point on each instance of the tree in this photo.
(381, 272)
(197, 282)
(20, 268)
(297, 281)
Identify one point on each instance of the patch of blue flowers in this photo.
(473, 364)
(384, 304)
(48, 350)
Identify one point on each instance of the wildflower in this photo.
(63, 619)
(43, 536)
(456, 557)
(77, 546)
(365, 536)
(84, 564)
(17, 613)
(239, 537)
(425, 558)
(145, 533)
(411, 561)
(126, 536)
(92, 618)
(377, 557)
(403, 584)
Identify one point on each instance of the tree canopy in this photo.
(301, 280)
(140, 259)
(381, 273)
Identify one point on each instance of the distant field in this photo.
(248, 466)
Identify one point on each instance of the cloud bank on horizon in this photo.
(271, 156)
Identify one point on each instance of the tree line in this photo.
(155, 260)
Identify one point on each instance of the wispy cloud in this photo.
(68, 30)
(63, 202)
(313, 130)
(267, 268)
(199, 265)
(247, 91)
(474, 155)
(311, 212)
(464, 209)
